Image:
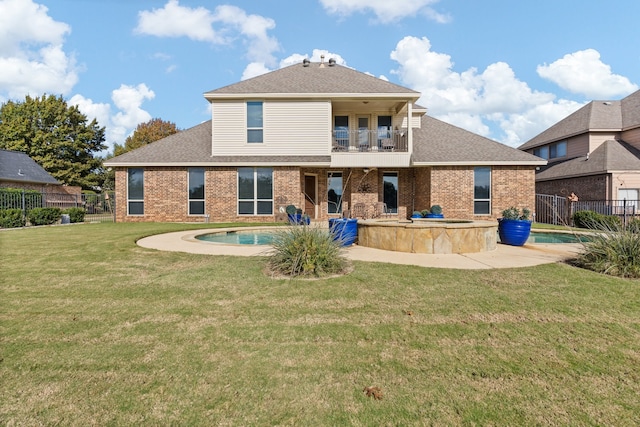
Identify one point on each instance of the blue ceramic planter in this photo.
(298, 219)
(514, 232)
(344, 230)
(434, 215)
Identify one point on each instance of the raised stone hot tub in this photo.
(428, 236)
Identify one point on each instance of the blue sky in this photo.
(503, 69)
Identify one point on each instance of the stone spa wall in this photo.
(429, 236)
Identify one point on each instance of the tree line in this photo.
(65, 143)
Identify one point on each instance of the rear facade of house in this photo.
(327, 139)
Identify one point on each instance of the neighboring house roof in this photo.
(610, 156)
(16, 166)
(315, 80)
(595, 116)
(439, 143)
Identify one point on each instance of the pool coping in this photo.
(504, 256)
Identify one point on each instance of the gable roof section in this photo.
(440, 143)
(610, 156)
(596, 115)
(316, 80)
(19, 167)
(192, 147)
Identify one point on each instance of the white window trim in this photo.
(255, 199)
(246, 121)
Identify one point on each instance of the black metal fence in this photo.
(97, 207)
(553, 209)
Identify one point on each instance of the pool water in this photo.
(542, 237)
(239, 237)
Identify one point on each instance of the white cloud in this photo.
(174, 20)
(477, 101)
(385, 10)
(127, 99)
(584, 73)
(32, 58)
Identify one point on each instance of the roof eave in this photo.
(485, 163)
(372, 95)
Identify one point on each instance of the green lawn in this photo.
(95, 330)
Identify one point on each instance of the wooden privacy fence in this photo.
(553, 209)
(97, 207)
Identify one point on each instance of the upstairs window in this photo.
(254, 121)
(552, 151)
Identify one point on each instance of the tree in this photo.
(146, 133)
(55, 135)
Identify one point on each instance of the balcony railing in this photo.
(364, 140)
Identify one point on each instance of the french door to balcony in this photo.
(363, 133)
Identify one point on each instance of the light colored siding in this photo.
(229, 126)
(290, 128)
(625, 180)
(578, 146)
(632, 136)
(597, 138)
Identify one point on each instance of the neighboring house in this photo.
(18, 170)
(328, 139)
(594, 152)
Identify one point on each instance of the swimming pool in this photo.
(547, 237)
(241, 237)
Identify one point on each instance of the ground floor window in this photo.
(334, 192)
(135, 191)
(196, 191)
(255, 191)
(482, 190)
(390, 191)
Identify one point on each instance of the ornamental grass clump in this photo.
(613, 250)
(306, 252)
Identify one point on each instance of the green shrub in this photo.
(306, 251)
(44, 216)
(612, 251)
(436, 209)
(595, 221)
(11, 218)
(515, 213)
(75, 214)
(587, 219)
(424, 212)
(634, 225)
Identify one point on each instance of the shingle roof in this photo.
(437, 142)
(19, 167)
(631, 111)
(596, 115)
(610, 156)
(313, 80)
(192, 145)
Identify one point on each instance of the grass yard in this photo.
(95, 330)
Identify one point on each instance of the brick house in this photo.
(328, 139)
(594, 152)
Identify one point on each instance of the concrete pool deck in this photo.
(504, 256)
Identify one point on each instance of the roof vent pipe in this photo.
(332, 62)
(305, 62)
(321, 61)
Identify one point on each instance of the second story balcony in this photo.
(369, 141)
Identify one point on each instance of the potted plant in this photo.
(435, 212)
(515, 226)
(294, 214)
(416, 214)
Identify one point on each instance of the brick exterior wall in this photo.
(166, 192)
(585, 187)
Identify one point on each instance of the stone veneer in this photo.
(428, 236)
